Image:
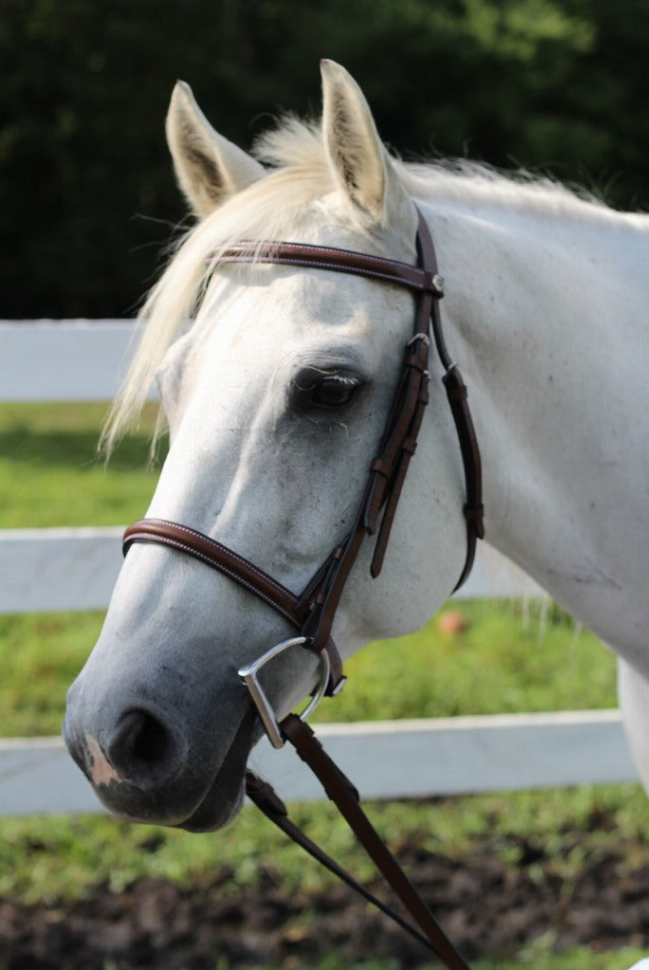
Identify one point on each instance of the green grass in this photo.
(101, 851)
(538, 955)
(580, 958)
(40, 655)
(52, 475)
(506, 659)
(498, 664)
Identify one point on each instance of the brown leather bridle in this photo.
(312, 612)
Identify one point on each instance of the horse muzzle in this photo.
(144, 768)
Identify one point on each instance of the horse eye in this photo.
(335, 392)
(314, 389)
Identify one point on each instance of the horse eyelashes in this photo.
(315, 389)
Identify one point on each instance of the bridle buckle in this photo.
(248, 675)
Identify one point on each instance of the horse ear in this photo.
(356, 153)
(209, 168)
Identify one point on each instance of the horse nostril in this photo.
(142, 749)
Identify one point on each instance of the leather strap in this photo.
(344, 795)
(456, 393)
(218, 557)
(266, 799)
(293, 608)
(326, 257)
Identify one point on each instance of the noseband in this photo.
(312, 611)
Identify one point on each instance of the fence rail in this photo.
(70, 360)
(386, 759)
(75, 569)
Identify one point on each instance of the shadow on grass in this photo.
(67, 435)
(74, 449)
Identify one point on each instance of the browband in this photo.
(338, 260)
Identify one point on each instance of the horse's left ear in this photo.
(209, 168)
(357, 155)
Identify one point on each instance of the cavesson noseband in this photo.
(312, 612)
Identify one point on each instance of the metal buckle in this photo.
(249, 673)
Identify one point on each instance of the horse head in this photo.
(275, 382)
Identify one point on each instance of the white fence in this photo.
(75, 569)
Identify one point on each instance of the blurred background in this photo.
(87, 194)
(556, 879)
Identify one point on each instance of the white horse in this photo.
(275, 383)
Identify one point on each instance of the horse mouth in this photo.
(224, 798)
(185, 801)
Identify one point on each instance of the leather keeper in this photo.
(381, 467)
(409, 445)
(456, 389)
(416, 361)
(264, 795)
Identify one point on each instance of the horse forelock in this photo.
(282, 206)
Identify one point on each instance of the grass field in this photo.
(506, 659)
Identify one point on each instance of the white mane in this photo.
(278, 207)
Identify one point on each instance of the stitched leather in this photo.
(267, 801)
(344, 795)
(217, 556)
(293, 608)
(324, 257)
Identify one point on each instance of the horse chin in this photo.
(216, 810)
(224, 798)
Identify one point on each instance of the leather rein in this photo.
(312, 611)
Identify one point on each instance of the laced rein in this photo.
(312, 612)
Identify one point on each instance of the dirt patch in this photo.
(487, 906)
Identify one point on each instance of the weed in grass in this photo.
(578, 958)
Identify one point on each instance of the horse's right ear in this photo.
(209, 168)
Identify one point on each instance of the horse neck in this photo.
(543, 310)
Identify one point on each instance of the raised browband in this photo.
(337, 260)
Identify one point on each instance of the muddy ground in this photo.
(487, 906)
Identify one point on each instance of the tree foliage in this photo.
(87, 195)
